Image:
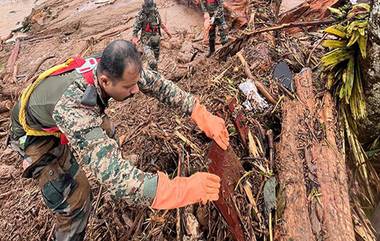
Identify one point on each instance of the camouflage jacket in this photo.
(82, 126)
(211, 6)
(143, 19)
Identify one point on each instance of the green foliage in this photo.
(342, 63)
(342, 68)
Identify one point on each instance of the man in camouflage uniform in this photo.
(149, 22)
(213, 12)
(69, 102)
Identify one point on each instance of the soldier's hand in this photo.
(213, 126)
(135, 41)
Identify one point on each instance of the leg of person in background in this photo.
(211, 40)
(222, 27)
(156, 50)
(150, 57)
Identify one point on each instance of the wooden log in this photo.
(296, 224)
(227, 166)
(312, 169)
(331, 173)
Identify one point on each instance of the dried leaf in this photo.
(253, 150)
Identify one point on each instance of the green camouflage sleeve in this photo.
(81, 124)
(153, 84)
(221, 5)
(138, 23)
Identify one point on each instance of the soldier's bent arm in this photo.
(137, 26)
(81, 125)
(154, 84)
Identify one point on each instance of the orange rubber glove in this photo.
(213, 126)
(183, 191)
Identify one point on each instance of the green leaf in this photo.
(334, 43)
(355, 25)
(362, 42)
(362, 31)
(336, 30)
(334, 57)
(350, 75)
(354, 37)
(336, 12)
(342, 92)
(330, 80)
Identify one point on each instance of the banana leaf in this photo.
(350, 76)
(334, 57)
(330, 43)
(336, 30)
(354, 37)
(362, 42)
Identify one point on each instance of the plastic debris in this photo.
(254, 100)
(284, 75)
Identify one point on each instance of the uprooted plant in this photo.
(342, 66)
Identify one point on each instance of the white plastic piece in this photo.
(254, 100)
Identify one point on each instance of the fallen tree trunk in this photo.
(369, 128)
(312, 169)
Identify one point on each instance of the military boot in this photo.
(211, 48)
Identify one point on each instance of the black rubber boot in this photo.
(211, 48)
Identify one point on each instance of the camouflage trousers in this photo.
(220, 22)
(64, 186)
(151, 45)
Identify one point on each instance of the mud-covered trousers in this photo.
(220, 22)
(64, 186)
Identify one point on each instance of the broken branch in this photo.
(291, 25)
(263, 90)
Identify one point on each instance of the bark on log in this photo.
(310, 163)
(369, 129)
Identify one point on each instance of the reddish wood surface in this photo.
(227, 166)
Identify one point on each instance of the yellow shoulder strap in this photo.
(25, 98)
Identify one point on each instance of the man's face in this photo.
(122, 89)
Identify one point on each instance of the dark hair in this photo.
(116, 57)
(149, 4)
